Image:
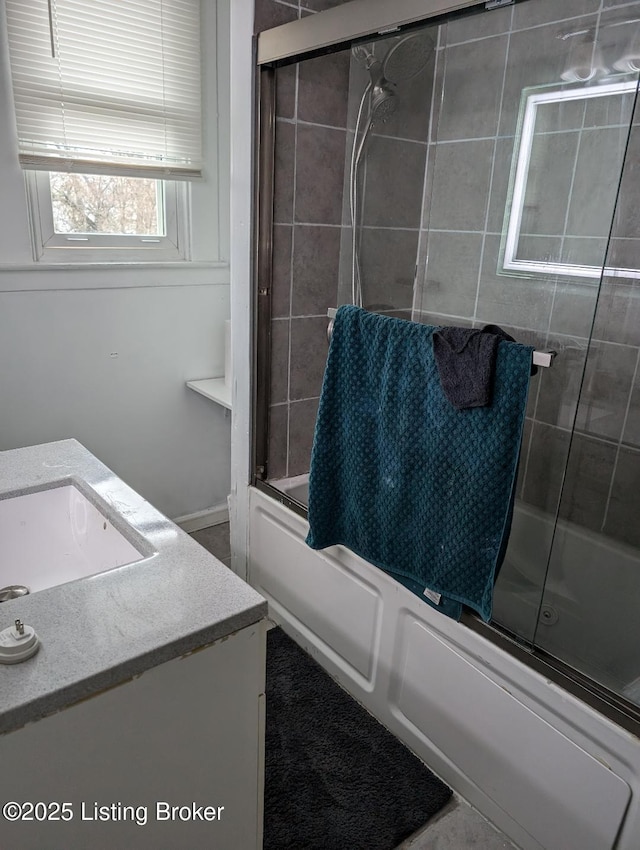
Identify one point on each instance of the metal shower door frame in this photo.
(356, 21)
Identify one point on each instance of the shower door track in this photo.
(356, 21)
(315, 35)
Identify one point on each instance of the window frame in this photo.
(51, 247)
(532, 98)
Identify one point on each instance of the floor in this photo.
(457, 826)
(216, 540)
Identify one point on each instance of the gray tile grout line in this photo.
(571, 236)
(299, 316)
(530, 235)
(493, 169)
(525, 467)
(553, 301)
(583, 280)
(422, 142)
(480, 38)
(618, 126)
(617, 6)
(442, 39)
(324, 316)
(351, 131)
(533, 420)
(306, 398)
(427, 185)
(345, 226)
(305, 224)
(562, 336)
(470, 139)
(566, 215)
(386, 227)
(567, 236)
(426, 142)
(295, 401)
(335, 127)
(594, 339)
(595, 438)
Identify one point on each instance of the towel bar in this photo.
(540, 358)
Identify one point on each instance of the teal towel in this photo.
(401, 477)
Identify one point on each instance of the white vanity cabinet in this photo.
(171, 758)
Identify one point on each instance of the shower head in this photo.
(407, 57)
(404, 59)
(383, 101)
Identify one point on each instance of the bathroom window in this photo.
(106, 218)
(108, 113)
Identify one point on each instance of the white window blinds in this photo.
(107, 86)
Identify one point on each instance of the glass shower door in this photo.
(466, 174)
(588, 617)
(590, 152)
(524, 161)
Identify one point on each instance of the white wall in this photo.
(242, 73)
(102, 353)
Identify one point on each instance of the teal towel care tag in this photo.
(432, 596)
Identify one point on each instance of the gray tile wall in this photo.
(483, 63)
(463, 128)
(316, 109)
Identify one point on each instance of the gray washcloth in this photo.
(466, 360)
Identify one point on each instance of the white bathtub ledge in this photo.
(100, 631)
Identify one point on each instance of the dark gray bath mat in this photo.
(335, 778)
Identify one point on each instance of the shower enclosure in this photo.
(478, 171)
(480, 167)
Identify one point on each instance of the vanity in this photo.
(139, 721)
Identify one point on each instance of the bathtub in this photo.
(296, 488)
(577, 619)
(577, 622)
(546, 768)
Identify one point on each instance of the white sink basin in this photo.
(57, 535)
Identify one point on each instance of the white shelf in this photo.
(214, 389)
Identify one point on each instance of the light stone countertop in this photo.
(99, 631)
